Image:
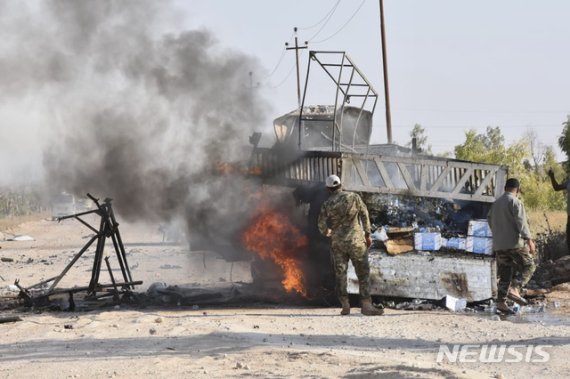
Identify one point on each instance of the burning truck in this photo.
(430, 236)
(431, 239)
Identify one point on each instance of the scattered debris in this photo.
(414, 305)
(38, 294)
(552, 273)
(399, 246)
(454, 304)
(169, 267)
(399, 240)
(7, 319)
(21, 238)
(240, 365)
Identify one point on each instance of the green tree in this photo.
(419, 133)
(527, 159)
(537, 189)
(490, 148)
(564, 140)
(554, 200)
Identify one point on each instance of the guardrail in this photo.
(401, 175)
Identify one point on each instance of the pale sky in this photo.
(453, 65)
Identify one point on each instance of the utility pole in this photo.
(297, 48)
(385, 68)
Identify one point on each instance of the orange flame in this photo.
(254, 171)
(272, 236)
(233, 168)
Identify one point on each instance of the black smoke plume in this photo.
(131, 106)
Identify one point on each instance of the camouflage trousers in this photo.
(358, 254)
(514, 268)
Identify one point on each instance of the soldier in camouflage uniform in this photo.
(513, 245)
(344, 218)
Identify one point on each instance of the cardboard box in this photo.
(399, 246)
(455, 243)
(479, 228)
(479, 245)
(427, 241)
(454, 304)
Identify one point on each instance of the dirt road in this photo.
(273, 342)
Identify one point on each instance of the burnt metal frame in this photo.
(416, 176)
(344, 88)
(108, 228)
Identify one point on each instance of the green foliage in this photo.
(526, 159)
(564, 139)
(490, 148)
(419, 133)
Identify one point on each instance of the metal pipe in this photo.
(299, 120)
(385, 69)
(116, 294)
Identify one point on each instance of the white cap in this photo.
(332, 181)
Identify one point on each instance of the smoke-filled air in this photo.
(115, 98)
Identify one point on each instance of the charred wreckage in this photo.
(431, 239)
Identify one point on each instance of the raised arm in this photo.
(557, 186)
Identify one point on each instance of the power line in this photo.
(343, 26)
(278, 64)
(286, 76)
(322, 19)
(280, 60)
(328, 18)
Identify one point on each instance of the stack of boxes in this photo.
(427, 241)
(455, 243)
(479, 238)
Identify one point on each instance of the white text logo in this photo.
(491, 353)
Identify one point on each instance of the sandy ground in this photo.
(267, 342)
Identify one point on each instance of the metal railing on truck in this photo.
(400, 175)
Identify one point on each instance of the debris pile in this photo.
(552, 273)
(40, 293)
(418, 212)
(406, 223)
